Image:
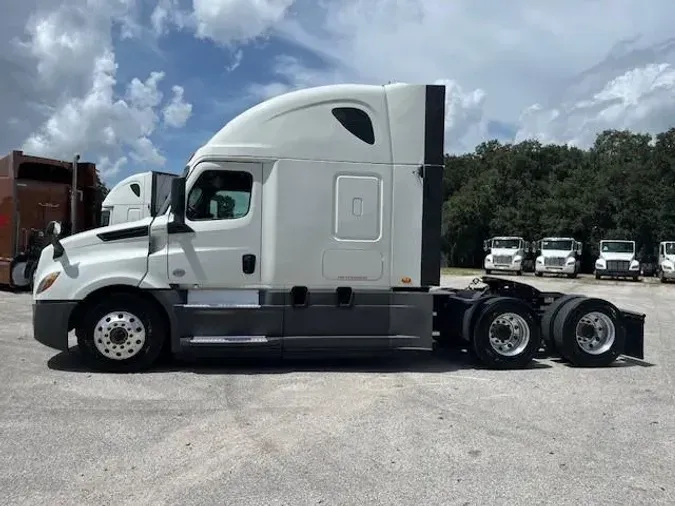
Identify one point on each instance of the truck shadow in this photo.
(437, 361)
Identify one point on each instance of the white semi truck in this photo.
(666, 265)
(617, 259)
(135, 197)
(558, 255)
(505, 254)
(311, 223)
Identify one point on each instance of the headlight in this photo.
(517, 259)
(488, 259)
(600, 264)
(570, 261)
(634, 264)
(667, 265)
(540, 260)
(47, 282)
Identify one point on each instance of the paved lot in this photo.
(417, 430)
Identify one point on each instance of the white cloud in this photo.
(177, 112)
(60, 80)
(108, 168)
(225, 22)
(641, 99)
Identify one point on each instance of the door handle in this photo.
(248, 263)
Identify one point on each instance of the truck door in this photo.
(224, 207)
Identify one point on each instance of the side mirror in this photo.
(177, 224)
(485, 246)
(579, 247)
(178, 199)
(53, 229)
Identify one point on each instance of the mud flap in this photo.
(634, 323)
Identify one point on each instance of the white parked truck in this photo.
(310, 223)
(666, 265)
(558, 255)
(135, 197)
(505, 254)
(617, 259)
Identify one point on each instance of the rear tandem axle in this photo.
(505, 323)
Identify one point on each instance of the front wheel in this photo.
(519, 273)
(506, 335)
(121, 333)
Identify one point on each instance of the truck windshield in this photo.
(563, 245)
(670, 248)
(506, 243)
(617, 247)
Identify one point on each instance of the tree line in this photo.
(622, 187)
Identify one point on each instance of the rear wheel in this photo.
(121, 333)
(506, 335)
(589, 332)
(548, 318)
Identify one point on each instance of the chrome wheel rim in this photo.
(509, 334)
(595, 333)
(119, 335)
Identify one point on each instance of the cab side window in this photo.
(220, 195)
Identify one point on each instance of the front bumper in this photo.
(50, 322)
(506, 268)
(617, 274)
(668, 274)
(551, 269)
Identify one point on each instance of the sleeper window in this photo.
(220, 195)
(357, 122)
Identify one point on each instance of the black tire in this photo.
(488, 271)
(538, 274)
(549, 315)
(139, 308)
(480, 342)
(519, 273)
(564, 332)
(572, 275)
(636, 278)
(597, 276)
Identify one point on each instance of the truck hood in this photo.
(556, 253)
(618, 256)
(505, 251)
(91, 237)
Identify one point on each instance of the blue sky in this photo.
(77, 75)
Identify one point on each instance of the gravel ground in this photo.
(421, 429)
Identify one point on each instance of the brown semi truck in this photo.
(33, 192)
